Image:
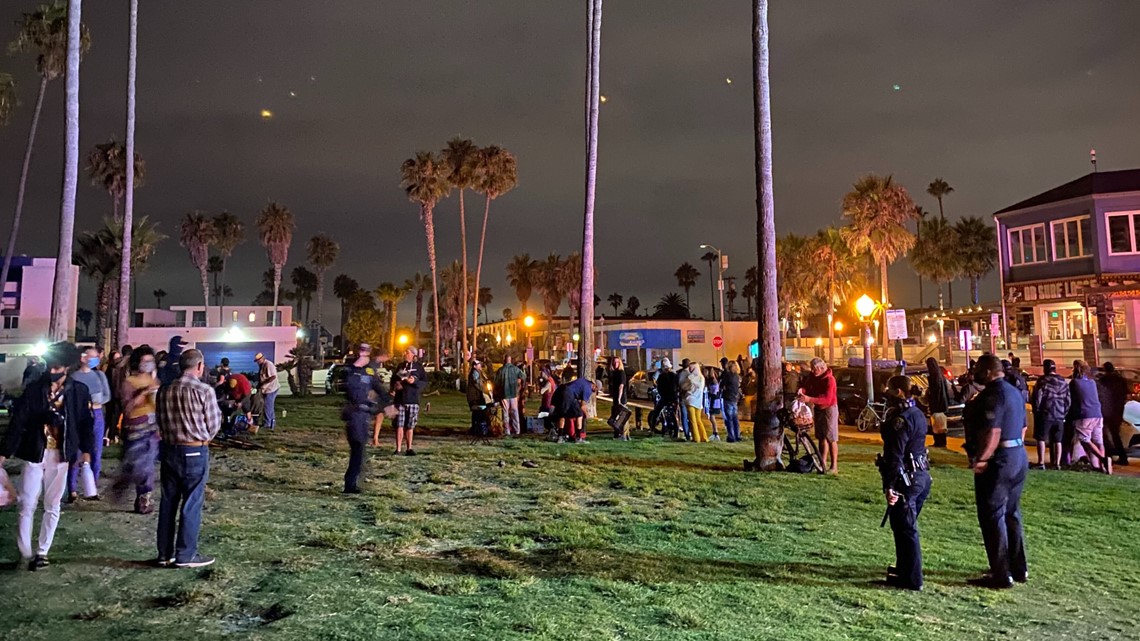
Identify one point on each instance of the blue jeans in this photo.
(185, 471)
(684, 412)
(268, 419)
(731, 422)
(96, 453)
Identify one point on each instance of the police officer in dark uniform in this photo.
(995, 432)
(906, 480)
(365, 395)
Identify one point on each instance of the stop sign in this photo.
(718, 342)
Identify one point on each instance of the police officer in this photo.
(996, 428)
(364, 394)
(906, 480)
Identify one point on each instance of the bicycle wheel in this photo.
(868, 420)
(812, 451)
(788, 454)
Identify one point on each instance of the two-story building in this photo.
(26, 313)
(1070, 263)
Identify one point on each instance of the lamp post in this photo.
(866, 308)
(720, 286)
(528, 323)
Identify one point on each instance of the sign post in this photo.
(896, 325)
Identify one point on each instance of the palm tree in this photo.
(751, 287)
(768, 441)
(8, 100)
(425, 179)
(485, 299)
(549, 288)
(390, 295)
(229, 232)
(796, 276)
(134, 177)
(214, 269)
(304, 286)
(98, 260)
(586, 281)
(878, 210)
(615, 300)
(730, 295)
(323, 252)
(687, 276)
(977, 250)
(462, 158)
(83, 315)
(522, 272)
(921, 216)
(570, 284)
(45, 33)
(940, 188)
(418, 284)
(159, 294)
(497, 173)
(107, 168)
(632, 305)
(275, 227)
(710, 257)
(344, 286)
(936, 255)
(835, 272)
(197, 235)
(61, 286)
(671, 306)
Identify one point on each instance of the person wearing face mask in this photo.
(188, 419)
(100, 390)
(140, 429)
(51, 425)
(904, 468)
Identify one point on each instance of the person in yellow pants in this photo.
(693, 386)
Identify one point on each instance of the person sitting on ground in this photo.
(568, 412)
(238, 396)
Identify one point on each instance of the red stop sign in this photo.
(718, 342)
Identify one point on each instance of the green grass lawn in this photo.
(607, 540)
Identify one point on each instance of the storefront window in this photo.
(1120, 325)
(1064, 324)
(1027, 245)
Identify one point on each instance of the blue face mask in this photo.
(93, 362)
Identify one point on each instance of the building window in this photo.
(180, 318)
(1072, 238)
(1123, 232)
(11, 322)
(1027, 245)
(1064, 324)
(269, 316)
(199, 319)
(235, 316)
(1120, 325)
(252, 317)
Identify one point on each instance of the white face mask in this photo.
(147, 367)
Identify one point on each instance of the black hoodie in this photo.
(26, 438)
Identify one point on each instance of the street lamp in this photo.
(528, 323)
(720, 286)
(865, 307)
(402, 340)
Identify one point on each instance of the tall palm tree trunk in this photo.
(712, 292)
(479, 271)
(320, 299)
(918, 234)
(205, 291)
(767, 434)
(831, 322)
(61, 312)
(129, 202)
(23, 183)
(586, 301)
(276, 294)
(102, 307)
(222, 294)
(419, 317)
(429, 232)
(462, 363)
(974, 289)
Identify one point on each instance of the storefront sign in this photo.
(643, 338)
(630, 339)
(1058, 290)
(694, 336)
(896, 324)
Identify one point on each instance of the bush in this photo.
(442, 381)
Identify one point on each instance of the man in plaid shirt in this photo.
(1050, 403)
(188, 419)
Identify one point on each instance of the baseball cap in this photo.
(666, 363)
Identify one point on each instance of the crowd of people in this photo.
(159, 407)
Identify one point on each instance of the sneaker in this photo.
(1040, 466)
(410, 453)
(72, 497)
(198, 561)
(352, 490)
(164, 563)
(144, 504)
(989, 581)
(38, 563)
(1021, 578)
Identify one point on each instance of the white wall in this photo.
(284, 338)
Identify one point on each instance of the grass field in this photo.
(607, 540)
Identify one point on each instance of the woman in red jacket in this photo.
(818, 390)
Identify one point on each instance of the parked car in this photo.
(639, 385)
(334, 379)
(851, 389)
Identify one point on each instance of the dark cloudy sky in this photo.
(1002, 99)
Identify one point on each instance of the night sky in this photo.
(1001, 99)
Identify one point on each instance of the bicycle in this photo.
(871, 417)
(798, 444)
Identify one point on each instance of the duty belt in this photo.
(917, 463)
(1013, 442)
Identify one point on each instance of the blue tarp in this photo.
(644, 338)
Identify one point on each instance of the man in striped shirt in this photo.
(188, 419)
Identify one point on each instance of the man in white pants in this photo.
(51, 424)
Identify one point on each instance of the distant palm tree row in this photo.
(428, 178)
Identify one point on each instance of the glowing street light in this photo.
(839, 326)
(528, 322)
(402, 339)
(865, 306)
